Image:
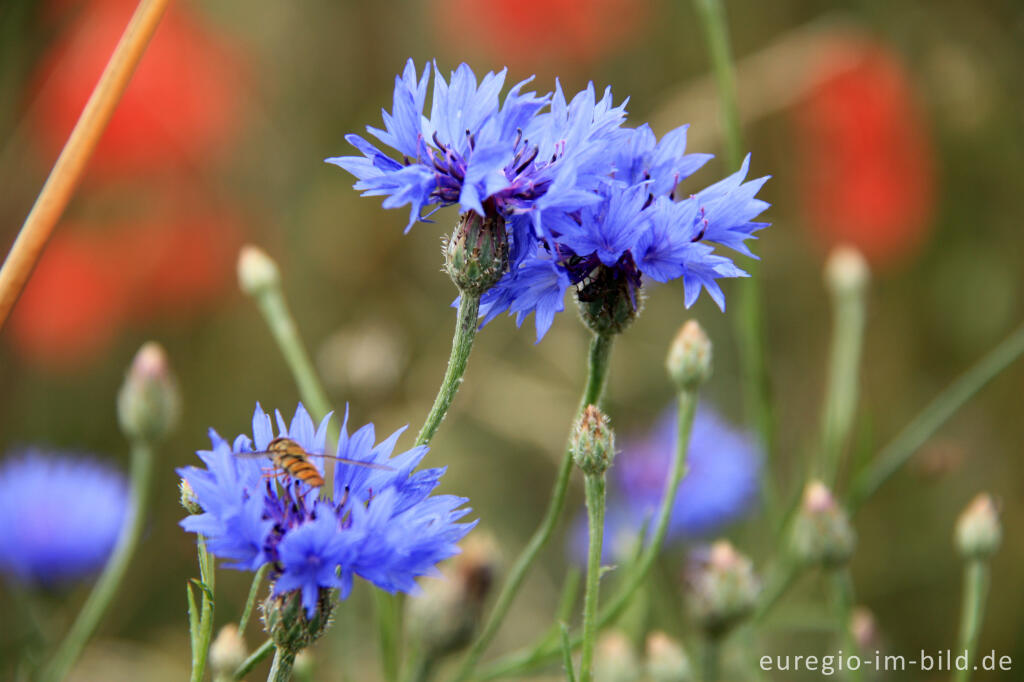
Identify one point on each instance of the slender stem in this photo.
(422, 668)
(387, 632)
(255, 658)
(462, 343)
(570, 675)
(600, 354)
(784, 578)
(206, 575)
(595, 497)
(933, 416)
(972, 613)
(520, 661)
(113, 573)
(749, 321)
(281, 668)
(710, 660)
(254, 589)
(842, 589)
(71, 164)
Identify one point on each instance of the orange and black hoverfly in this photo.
(291, 459)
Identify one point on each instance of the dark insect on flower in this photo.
(291, 459)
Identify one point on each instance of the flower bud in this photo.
(614, 660)
(846, 271)
(188, 498)
(864, 629)
(978, 532)
(822, 533)
(593, 442)
(609, 301)
(227, 651)
(689, 357)
(666, 660)
(286, 621)
(447, 614)
(148, 405)
(476, 255)
(257, 271)
(723, 589)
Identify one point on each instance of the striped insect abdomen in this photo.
(300, 468)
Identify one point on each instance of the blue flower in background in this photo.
(60, 515)
(720, 485)
(381, 523)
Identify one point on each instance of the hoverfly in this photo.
(291, 459)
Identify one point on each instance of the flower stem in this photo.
(281, 668)
(710, 660)
(462, 343)
(597, 372)
(113, 573)
(71, 164)
(387, 632)
(254, 589)
(255, 658)
(595, 497)
(784, 578)
(933, 416)
(750, 323)
(972, 613)
(202, 648)
(842, 589)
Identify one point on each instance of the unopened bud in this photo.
(846, 270)
(593, 442)
(978, 532)
(476, 255)
(822, 533)
(257, 271)
(188, 498)
(864, 629)
(723, 589)
(227, 651)
(614, 659)
(286, 621)
(609, 301)
(148, 405)
(446, 615)
(666, 660)
(689, 357)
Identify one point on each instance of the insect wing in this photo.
(355, 462)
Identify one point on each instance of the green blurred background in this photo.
(896, 126)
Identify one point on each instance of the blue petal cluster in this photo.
(60, 516)
(720, 485)
(380, 523)
(578, 191)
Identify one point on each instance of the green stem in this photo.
(462, 343)
(563, 630)
(710, 660)
(281, 668)
(255, 658)
(521, 661)
(597, 372)
(842, 589)
(972, 613)
(386, 608)
(749, 321)
(113, 573)
(595, 497)
(937, 412)
(202, 648)
(422, 668)
(254, 589)
(784, 578)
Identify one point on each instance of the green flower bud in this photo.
(614, 659)
(666, 660)
(188, 498)
(257, 271)
(148, 405)
(822, 533)
(723, 589)
(689, 357)
(593, 442)
(608, 302)
(476, 255)
(864, 629)
(978, 532)
(227, 652)
(285, 619)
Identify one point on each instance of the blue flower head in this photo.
(381, 522)
(60, 516)
(720, 485)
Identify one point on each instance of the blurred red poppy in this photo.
(533, 33)
(180, 108)
(866, 173)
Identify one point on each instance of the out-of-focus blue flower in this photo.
(720, 485)
(381, 523)
(60, 515)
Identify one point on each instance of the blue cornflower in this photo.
(720, 485)
(380, 523)
(60, 515)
